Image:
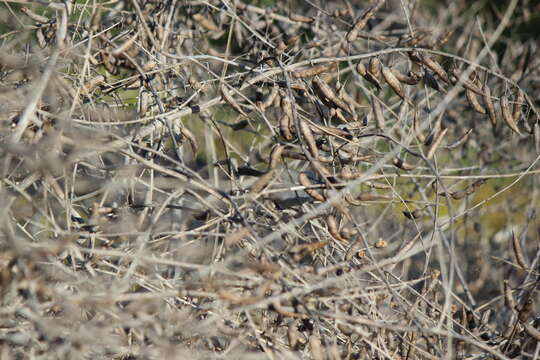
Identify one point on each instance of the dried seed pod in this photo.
(262, 182)
(326, 91)
(205, 22)
(286, 105)
(268, 100)
(32, 15)
(507, 114)
(361, 69)
(275, 156)
(407, 79)
(460, 140)
(226, 95)
(41, 38)
(518, 252)
(294, 336)
(436, 142)
(333, 229)
(394, 83)
(349, 174)
(488, 103)
(352, 35)
(435, 67)
(315, 347)
(307, 134)
(92, 84)
(473, 102)
(313, 71)
(298, 252)
(532, 331)
(349, 199)
(381, 244)
(143, 102)
(375, 67)
(372, 196)
(285, 127)
(469, 85)
(236, 236)
(190, 137)
(403, 165)
(196, 84)
(301, 18)
(303, 179)
(508, 297)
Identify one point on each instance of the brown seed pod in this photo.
(435, 67)
(313, 71)
(350, 200)
(32, 15)
(375, 67)
(352, 35)
(361, 69)
(275, 157)
(460, 140)
(469, 85)
(378, 185)
(508, 297)
(294, 336)
(381, 244)
(372, 196)
(333, 229)
(507, 114)
(301, 18)
(349, 174)
(285, 127)
(488, 103)
(307, 134)
(303, 179)
(532, 331)
(268, 100)
(325, 91)
(518, 252)
(286, 104)
(436, 142)
(403, 165)
(190, 137)
(315, 347)
(226, 95)
(92, 84)
(236, 236)
(298, 252)
(473, 102)
(411, 79)
(205, 22)
(262, 182)
(394, 83)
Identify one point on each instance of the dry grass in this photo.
(224, 179)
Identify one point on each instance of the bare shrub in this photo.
(230, 179)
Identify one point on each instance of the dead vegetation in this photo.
(282, 180)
